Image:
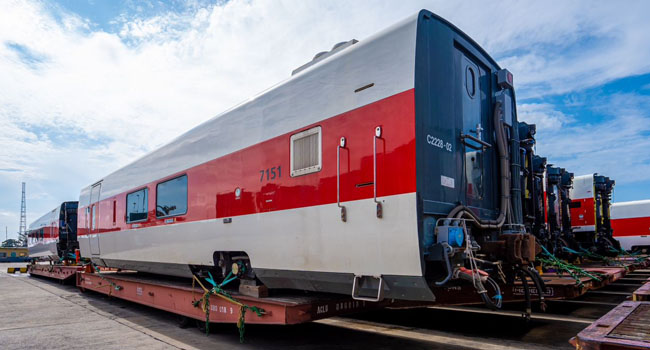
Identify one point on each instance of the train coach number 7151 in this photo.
(271, 173)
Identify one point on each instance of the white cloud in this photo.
(543, 115)
(114, 96)
(560, 46)
(616, 147)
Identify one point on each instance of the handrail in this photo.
(378, 132)
(341, 144)
(475, 139)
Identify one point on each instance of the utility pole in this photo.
(23, 219)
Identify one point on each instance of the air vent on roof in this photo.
(324, 54)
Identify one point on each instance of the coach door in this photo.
(93, 220)
(474, 90)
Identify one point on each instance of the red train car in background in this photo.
(583, 207)
(591, 197)
(631, 224)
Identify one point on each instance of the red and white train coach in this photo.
(42, 236)
(54, 235)
(631, 224)
(331, 178)
(591, 197)
(583, 207)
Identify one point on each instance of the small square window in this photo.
(306, 152)
(171, 197)
(136, 205)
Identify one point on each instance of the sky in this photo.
(87, 86)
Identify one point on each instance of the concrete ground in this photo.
(37, 313)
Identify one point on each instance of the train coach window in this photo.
(306, 154)
(470, 81)
(93, 217)
(171, 197)
(137, 205)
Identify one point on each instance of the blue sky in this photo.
(87, 86)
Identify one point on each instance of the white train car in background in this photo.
(631, 224)
(42, 236)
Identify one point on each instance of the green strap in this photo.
(217, 289)
(575, 271)
(567, 249)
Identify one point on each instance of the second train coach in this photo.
(54, 235)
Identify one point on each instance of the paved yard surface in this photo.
(41, 314)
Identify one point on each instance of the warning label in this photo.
(447, 181)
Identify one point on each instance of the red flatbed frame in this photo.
(177, 296)
(62, 273)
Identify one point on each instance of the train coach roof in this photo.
(642, 202)
(386, 59)
(632, 209)
(45, 220)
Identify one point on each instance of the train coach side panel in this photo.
(631, 223)
(287, 216)
(283, 222)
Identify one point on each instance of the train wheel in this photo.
(201, 326)
(609, 246)
(183, 321)
(564, 243)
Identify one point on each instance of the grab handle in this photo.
(378, 132)
(342, 144)
(475, 139)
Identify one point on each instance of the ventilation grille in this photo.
(305, 152)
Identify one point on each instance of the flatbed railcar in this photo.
(179, 297)
(377, 170)
(54, 235)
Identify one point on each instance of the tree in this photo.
(12, 243)
(22, 240)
